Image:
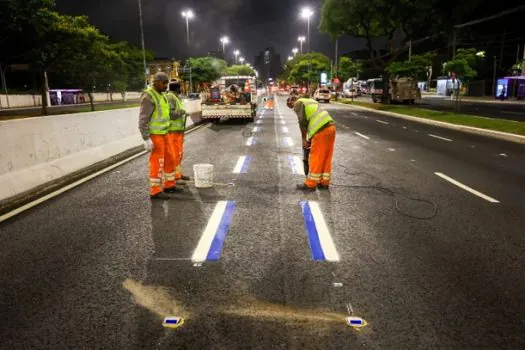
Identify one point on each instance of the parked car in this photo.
(322, 95)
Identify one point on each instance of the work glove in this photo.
(148, 145)
(306, 144)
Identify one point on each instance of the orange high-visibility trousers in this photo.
(176, 140)
(321, 153)
(157, 163)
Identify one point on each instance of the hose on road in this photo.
(392, 193)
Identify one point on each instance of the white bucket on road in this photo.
(203, 174)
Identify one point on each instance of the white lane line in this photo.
(327, 243)
(382, 122)
(66, 188)
(439, 137)
(284, 129)
(256, 129)
(259, 121)
(404, 127)
(238, 166)
(392, 149)
(363, 136)
(466, 188)
(288, 141)
(201, 252)
(250, 142)
(503, 155)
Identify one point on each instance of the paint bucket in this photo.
(203, 175)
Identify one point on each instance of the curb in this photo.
(463, 128)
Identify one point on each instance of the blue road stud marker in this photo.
(173, 322)
(356, 322)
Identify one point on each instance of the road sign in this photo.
(323, 78)
(337, 81)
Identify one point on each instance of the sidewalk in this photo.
(481, 99)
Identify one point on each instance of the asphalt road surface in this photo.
(261, 265)
(491, 109)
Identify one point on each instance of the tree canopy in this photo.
(417, 67)
(464, 64)
(238, 70)
(373, 19)
(349, 68)
(70, 46)
(206, 69)
(306, 67)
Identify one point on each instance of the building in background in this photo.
(166, 65)
(268, 64)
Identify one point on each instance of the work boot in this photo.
(160, 195)
(303, 187)
(185, 178)
(323, 187)
(173, 190)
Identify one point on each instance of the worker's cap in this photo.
(161, 76)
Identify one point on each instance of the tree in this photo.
(206, 69)
(464, 65)
(96, 63)
(373, 19)
(416, 68)
(349, 68)
(306, 67)
(238, 70)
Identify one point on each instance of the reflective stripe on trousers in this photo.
(320, 160)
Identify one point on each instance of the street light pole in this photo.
(143, 45)
(301, 40)
(188, 15)
(494, 78)
(224, 40)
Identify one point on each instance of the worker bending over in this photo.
(154, 123)
(176, 130)
(318, 133)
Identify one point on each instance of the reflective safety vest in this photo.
(160, 118)
(316, 117)
(177, 124)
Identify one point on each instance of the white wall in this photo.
(17, 101)
(39, 150)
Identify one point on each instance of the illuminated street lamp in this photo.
(241, 59)
(290, 58)
(301, 40)
(307, 14)
(224, 40)
(295, 50)
(236, 53)
(188, 15)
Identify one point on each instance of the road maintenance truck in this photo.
(401, 90)
(231, 97)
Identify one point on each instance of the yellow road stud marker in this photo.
(173, 322)
(355, 322)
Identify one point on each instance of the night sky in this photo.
(252, 25)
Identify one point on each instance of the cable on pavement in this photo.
(393, 194)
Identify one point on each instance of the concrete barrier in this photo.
(40, 154)
(19, 101)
